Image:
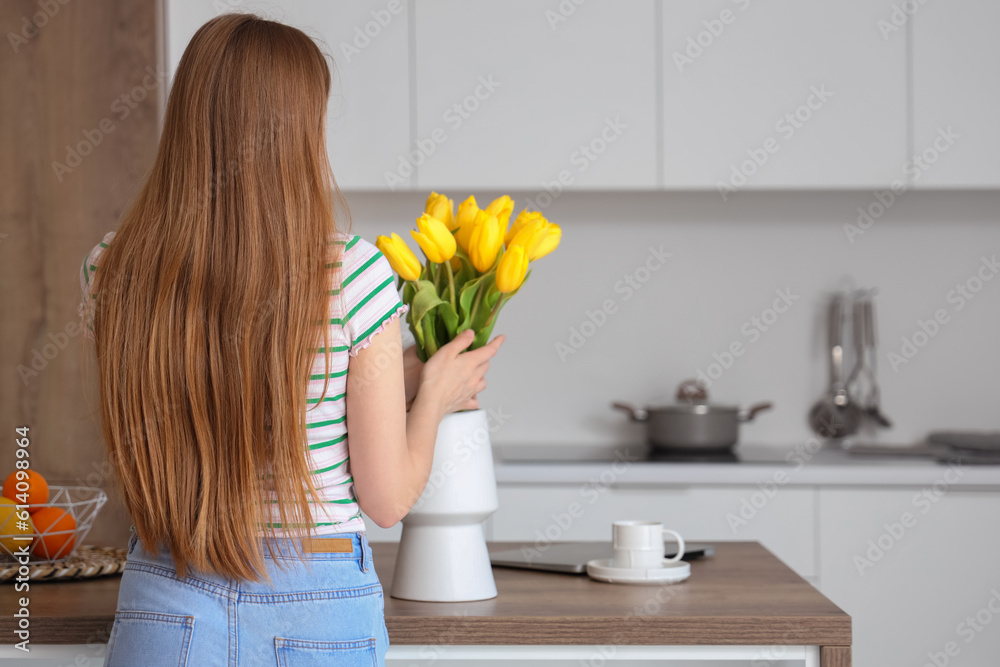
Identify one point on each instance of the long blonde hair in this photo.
(210, 296)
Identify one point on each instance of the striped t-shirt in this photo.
(363, 299)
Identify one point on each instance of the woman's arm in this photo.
(412, 367)
(392, 450)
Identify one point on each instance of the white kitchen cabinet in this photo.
(782, 94)
(956, 61)
(911, 570)
(368, 119)
(535, 96)
(784, 523)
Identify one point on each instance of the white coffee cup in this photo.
(639, 544)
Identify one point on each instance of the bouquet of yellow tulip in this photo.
(475, 264)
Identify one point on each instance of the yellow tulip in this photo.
(464, 222)
(442, 208)
(485, 242)
(523, 218)
(550, 241)
(502, 207)
(512, 268)
(434, 239)
(537, 237)
(401, 258)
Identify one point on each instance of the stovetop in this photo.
(636, 452)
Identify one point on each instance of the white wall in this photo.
(728, 258)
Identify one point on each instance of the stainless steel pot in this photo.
(693, 426)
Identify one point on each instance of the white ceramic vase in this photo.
(442, 553)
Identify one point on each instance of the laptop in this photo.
(572, 557)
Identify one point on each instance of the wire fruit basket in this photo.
(60, 539)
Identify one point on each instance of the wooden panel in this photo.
(742, 595)
(79, 130)
(835, 656)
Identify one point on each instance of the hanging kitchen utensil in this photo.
(835, 416)
(874, 407)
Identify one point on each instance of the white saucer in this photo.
(671, 573)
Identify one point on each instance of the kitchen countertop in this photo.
(743, 595)
(801, 465)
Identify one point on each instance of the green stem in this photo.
(475, 304)
(496, 309)
(451, 284)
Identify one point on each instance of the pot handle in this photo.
(634, 413)
(751, 412)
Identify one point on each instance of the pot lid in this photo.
(692, 398)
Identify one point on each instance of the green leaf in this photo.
(492, 295)
(466, 301)
(423, 303)
(424, 300)
(408, 291)
(467, 272)
(418, 335)
(497, 301)
(449, 319)
(431, 345)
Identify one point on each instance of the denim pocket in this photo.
(305, 653)
(149, 639)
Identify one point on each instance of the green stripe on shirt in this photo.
(328, 443)
(341, 501)
(333, 467)
(313, 401)
(371, 260)
(371, 295)
(324, 376)
(331, 422)
(379, 323)
(333, 523)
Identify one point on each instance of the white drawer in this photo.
(783, 519)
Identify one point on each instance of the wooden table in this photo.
(743, 596)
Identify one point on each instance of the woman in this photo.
(238, 335)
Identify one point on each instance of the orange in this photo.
(37, 493)
(11, 527)
(51, 541)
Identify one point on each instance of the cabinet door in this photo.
(956, 86)
(783, 522)
(522, 94)
(912, 569)
(782, 94)
(368, 116)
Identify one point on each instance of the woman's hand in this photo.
(452, 378)
(391, 451)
